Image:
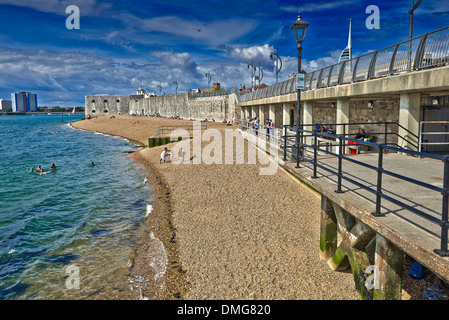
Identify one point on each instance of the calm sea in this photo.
(74, 225)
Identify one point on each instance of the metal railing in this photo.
(422, 133)
(429, 50)
(215, 93)
(271, 134)
(385, 132)
(295, 148)
(389, 132)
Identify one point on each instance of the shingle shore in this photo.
(230, 233)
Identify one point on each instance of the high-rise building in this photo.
(5, 105)
(32, 98)
(23, 102)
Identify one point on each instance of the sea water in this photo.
(68, 234)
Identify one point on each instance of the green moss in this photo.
(339, 256)
(160, 141)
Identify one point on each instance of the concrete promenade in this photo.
(412, 234)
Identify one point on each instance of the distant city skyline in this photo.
(121, 45)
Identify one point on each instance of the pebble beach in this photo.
(228, 232)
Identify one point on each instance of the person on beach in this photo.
(164, 155)
(183, 154)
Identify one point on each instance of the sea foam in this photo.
(148, 211)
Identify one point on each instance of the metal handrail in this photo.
(377, 189)
(422, 133)
(385, 133)
(429, 50)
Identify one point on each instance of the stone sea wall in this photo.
(183, 105)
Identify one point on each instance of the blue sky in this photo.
(121, 44)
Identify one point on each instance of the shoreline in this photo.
(237, 234)
(158, 225)
(159, 222)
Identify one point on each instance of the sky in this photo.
(123, 44)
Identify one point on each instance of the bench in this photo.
(329, 144)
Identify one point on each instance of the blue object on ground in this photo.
(417, 271)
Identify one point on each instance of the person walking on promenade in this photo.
(256, 126)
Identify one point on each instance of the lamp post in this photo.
(176, 86)
(278, 59)
(209, 78)
(413, 7)
(253, 72)
(260, 76)
(299, 29)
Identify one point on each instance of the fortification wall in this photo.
(218, 108)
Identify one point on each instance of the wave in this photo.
(149, 210)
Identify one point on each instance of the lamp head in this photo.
(299, 29)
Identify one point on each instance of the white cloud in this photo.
(182, 61)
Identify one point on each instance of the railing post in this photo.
(392, 61)
(297, 148)
(354, 72)
(386, 133)
(330, 76)
(315, 153)
(372, 66)
(340, 148)
(379, 182)
(344, 135)
(285, 143)
(342, 72)
(419, 55)
(445, 209)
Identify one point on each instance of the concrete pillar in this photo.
(286, 119)
(272, 113)
(409, 117)
(307, 118)
(342, 114)
(328, 229)
(253, 112)
(388, 262)
(262, 115)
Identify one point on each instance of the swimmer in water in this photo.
(53, 166)
(39, 170)
(92, 164)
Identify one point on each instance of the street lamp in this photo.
(209, 78)
(413, 8)
(299, 29)
(278, 59)
(253, 73)
(176, 86)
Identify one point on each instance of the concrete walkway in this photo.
(415, 235)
